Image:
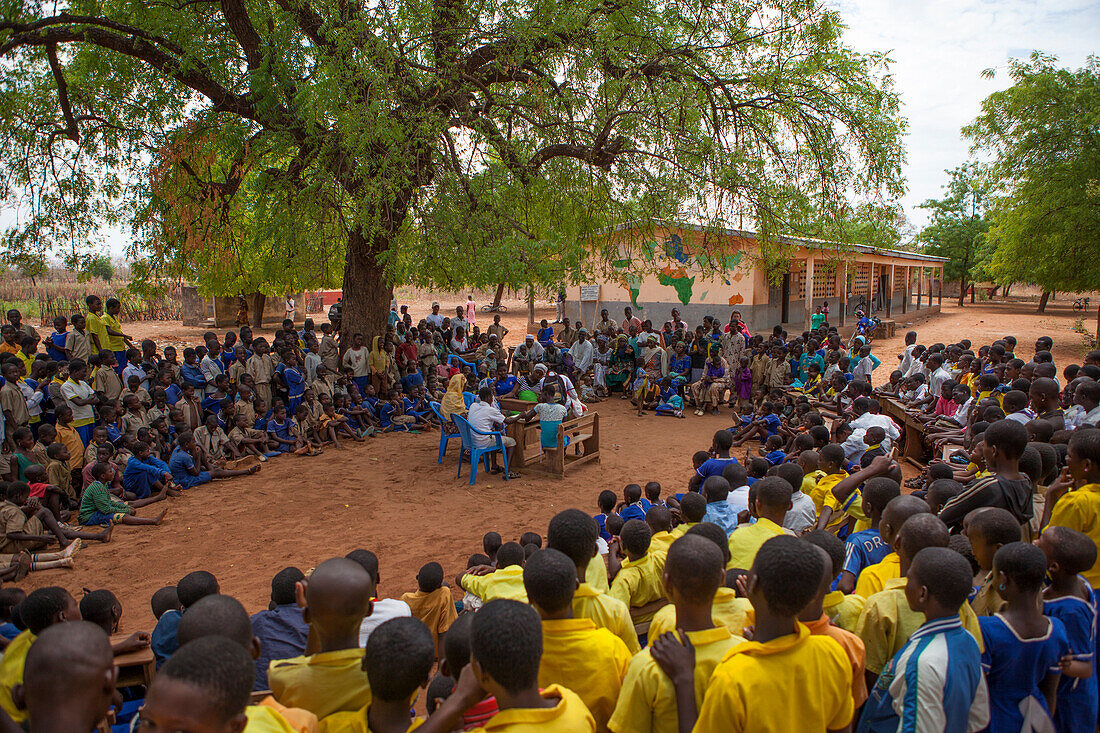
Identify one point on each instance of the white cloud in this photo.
(940, 48)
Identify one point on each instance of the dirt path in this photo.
(389, 495)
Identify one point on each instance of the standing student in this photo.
(936, 678)
(97, 333)
(117, 341)
(873, 578)
(80, 398)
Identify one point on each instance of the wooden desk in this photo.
(913, 432)
(135, 668)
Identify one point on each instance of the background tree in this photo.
(98, 266)
(958, 225)
(1043, 139)
(21, 252)
(343, 124)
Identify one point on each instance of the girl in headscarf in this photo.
(620, 367)
(601, 359)
(452, 402)
(708, 391)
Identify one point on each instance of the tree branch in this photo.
(236, 15)
(71, 130)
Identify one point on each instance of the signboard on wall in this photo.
(590, 293)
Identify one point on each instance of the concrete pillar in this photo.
(920, 285)
(939, 290)
(905, 290)
(842, 286)
(890, 292)
(809, 302)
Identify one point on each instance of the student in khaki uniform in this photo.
(505, 654)
(337, 598)
(432, 602)
(693, 574)
(106, 379)
(575, 653)
(574, 533)
(14, 405)
(29, 528)
(261, 366)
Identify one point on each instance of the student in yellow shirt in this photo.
(841, 608)
(575, 654)
(398, 661)
(505, 655)
(40, 610)
(896, 513)
(727, 609)
(989, 529)
(887, 620)
(693, 507)
(785, 679)
(337, 598)
(117, 341)
(97, 333)
(637, 581)
(830, 462)
(659, 520)
(693, 575)
(503, 581)
(1073, 500)
(69, 679)
(811, 474)
(574, 533)
(844, 501)
(769, 501)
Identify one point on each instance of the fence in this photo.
(160, 309)
(314, 302)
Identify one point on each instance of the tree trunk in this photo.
(962, 291)
(367, 295)
(1043, 301)
(1097, 328)
(498, 296)
(257, 305)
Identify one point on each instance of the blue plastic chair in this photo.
(468, 432)
(468, 398)
(444, 436)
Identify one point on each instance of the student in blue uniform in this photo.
(866, 548)
(1069, 599)
(1023, 648)
(55, 344)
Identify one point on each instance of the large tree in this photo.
(372, 115)
(958, 224)
(1043, 137)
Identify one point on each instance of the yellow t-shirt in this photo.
(809, 488)
(323, 683)
(1080, 510)
(851, 507)
(662, 540)
(596, 574)
(747, 539)
(271, 717)
(887, 622)
(872, 578)
(114, 343)
(94, 325)
(503, 583)
(728, 611)
(354, 723)
(639, 582)
(824, 486)
(797, 682)
(607, 613)
(681, 529)
(569, 714)
(843, 610)
(11, 673)
(647, 702)
(590, 661)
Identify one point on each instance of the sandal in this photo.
(512, 475)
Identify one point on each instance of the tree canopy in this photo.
(958, 225)
(1042, 135)
(436, 141)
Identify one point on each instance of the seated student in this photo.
(716, 490)
(727, 609)
(212, 440)
(491, 544)
(738, 497)
(337, 598)
(770, 502)
(817, 621)
(102, 608)
(843, 609)
(1007, 488)
(69, 678)
(246, 440)
(398, 661)
(48, 495)
(942, 656)
(146, 475)
(30, 527)
(573, 533)
(940, 492)
(1069, 599)
(887, 621)
(782, 656)
(281, 628)
(989, 529)
(693, 507)
(606, 503)
(1075, 504)
(97, 506)
(758, 469)
(866, 547)
(456, 649)
(382, 609)
(283, 435)
(773, 450)
(873, 439)
(191, 468)
(830, 463)
(57, 469)
(505, 656)
(576, 653)
(503, 581)
(693, 576)
(42, 609)
(659, 519)
(431, 603)
(718, 457)
(1023, 648)
(633, 505)
(801, 515)
(637, 581)
(192, 588)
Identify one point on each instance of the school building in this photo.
(654, 266)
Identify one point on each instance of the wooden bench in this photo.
(134, 668)
(584, 442)
(912, 449)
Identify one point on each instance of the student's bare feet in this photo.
(160, 517)
(174, 492)
(253, 469)
(71, 548)
(105, 535)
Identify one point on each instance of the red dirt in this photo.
(389, 495)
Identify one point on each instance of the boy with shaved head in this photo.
(898, 510)
(336, 598)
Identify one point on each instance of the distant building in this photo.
(704, 271)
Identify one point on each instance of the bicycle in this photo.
(859, 305)
(1081, 304)
(494, 308)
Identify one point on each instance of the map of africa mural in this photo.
(674, 274)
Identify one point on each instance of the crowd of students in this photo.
(800, 585)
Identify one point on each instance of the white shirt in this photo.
(738, 499)
(135, 370)
(1092, 417)
(802, 513)
(83, 391)
(867, 420)
(484, 417)
(460, 323)
(210, 368)
(289, 304)
(854, 447)
(384, 610)
(435, 319)
(460, 346)
(935, 382)
(581, 351)
(906, 359)
(1022, 416)
(310, 362)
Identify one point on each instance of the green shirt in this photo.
(97, 498)
(816, 319)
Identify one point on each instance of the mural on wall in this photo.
(674, 274)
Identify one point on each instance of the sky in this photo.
(940, 48)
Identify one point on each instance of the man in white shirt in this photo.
(865, 419)
(907, 355)
(435, 318)
(581, 351)
(459, 321)
(211, 366)
(290, 306)
(382, 609)
(939, 375)
(486, 417)
(572, 399)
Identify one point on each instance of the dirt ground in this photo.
(390, 496)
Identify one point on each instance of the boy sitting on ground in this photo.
(97, 506)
